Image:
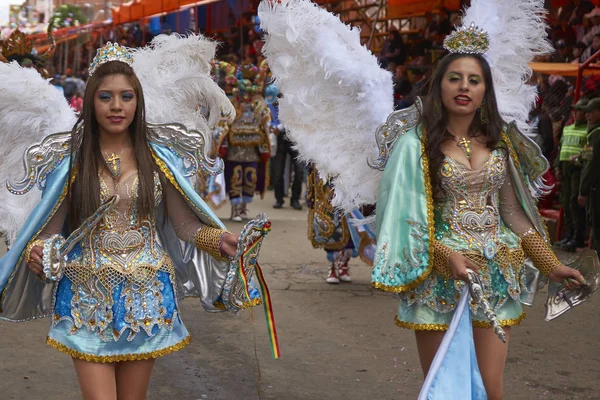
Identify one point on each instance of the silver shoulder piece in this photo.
(188, 144)
(40, 160)
(397, 123)
(530, 156)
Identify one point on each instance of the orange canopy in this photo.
(563, 69)
(136, 10)
(399, 8)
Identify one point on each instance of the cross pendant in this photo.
(114, 162)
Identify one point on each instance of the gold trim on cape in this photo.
(430, 227)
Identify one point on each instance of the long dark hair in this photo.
(87, 160)
(434, 118)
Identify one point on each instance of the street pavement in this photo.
(337, 341)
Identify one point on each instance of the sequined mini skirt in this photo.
(136, 320)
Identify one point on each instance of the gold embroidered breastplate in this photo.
(471, 205)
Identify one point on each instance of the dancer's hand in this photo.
(459, 264)
(229, 245)
(571, 278)
(35, 260)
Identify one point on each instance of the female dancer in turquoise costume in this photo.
(472, 218)
(113, 304)
(457, 182)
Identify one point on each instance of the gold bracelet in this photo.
(30, 246)
(538, 251)
(441, 257)
(209, 239)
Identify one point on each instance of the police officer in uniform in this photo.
(590, 178)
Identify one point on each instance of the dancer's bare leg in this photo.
(96, 380)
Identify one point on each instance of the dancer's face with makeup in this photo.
(115, 103)
(463, 86)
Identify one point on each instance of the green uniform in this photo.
(590, 181)
(573, 140)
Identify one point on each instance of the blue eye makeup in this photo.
(104, 96)
(128, 96)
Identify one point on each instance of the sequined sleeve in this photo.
(183, 219)
(515, 219)
(511, 211)
(56, 223)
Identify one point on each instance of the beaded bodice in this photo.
(470, 201)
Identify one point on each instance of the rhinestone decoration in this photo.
(110, 52)
(471, 40)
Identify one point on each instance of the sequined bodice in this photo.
(470, 201)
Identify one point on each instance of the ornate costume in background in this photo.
(329, 229)
(112, 286)
(244, 144)
(18, 47)
(489, 215)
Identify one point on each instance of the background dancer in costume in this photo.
(328, 229)
(245, 145)
(453, 192)
(112, 287)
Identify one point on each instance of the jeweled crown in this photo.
(467, 40)
(110, 52)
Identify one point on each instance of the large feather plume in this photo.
(335, 95)
(517, 33)
(175, 74)
(30, 109)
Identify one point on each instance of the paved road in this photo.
(337, 342)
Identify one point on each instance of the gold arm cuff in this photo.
(208, 239)
(30, 246)
(538, 251)
(441, 257)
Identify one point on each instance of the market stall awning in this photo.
(563, 69)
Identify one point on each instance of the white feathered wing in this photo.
(30, 109)
(174, 72)
(335, 95)
(175, 75)
(517, 32)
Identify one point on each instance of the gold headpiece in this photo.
(17, 44)
(110, 52)
(471, 40)
(19, 47)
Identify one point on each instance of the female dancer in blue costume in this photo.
(114, 308)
